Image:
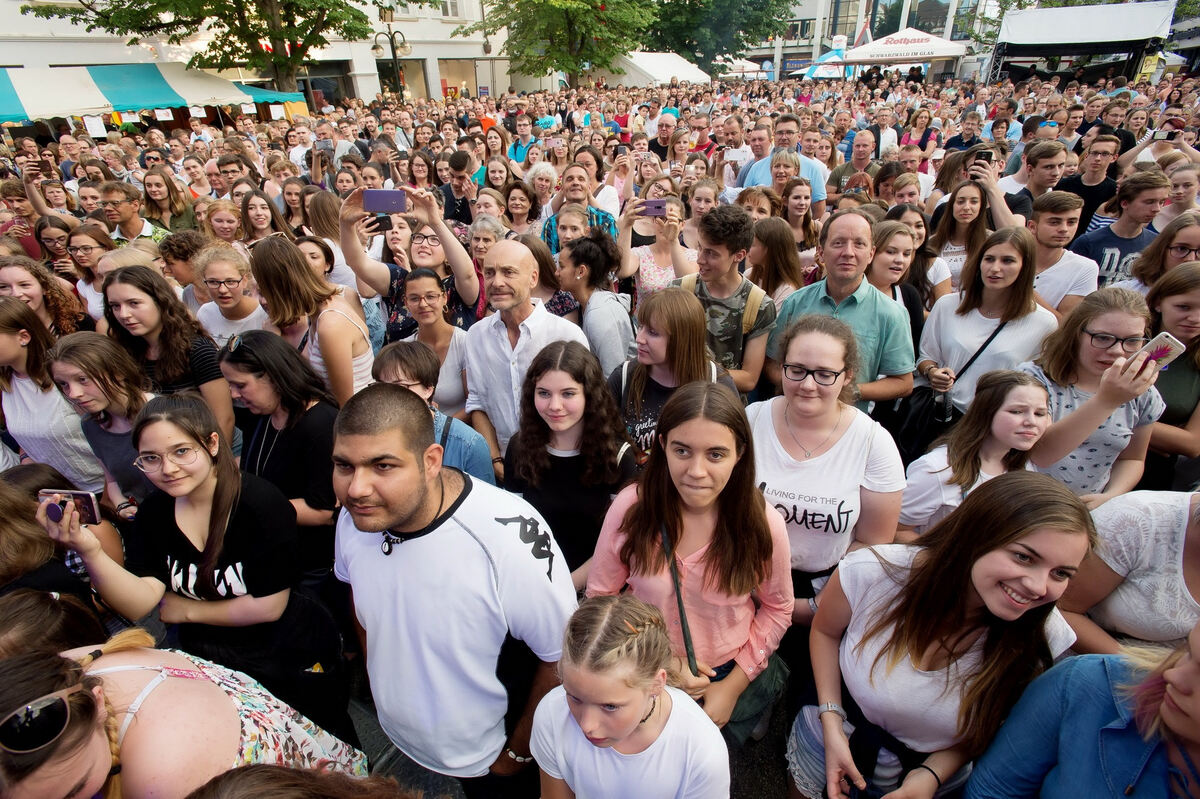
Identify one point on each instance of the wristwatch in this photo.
(831, 707)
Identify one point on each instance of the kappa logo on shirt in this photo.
(531, 533)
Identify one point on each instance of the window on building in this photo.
(449, 8)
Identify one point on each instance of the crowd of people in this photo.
(643, 417)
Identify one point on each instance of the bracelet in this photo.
(529, 759)
(812, 604)
(497, 460)
(125, 505)
(831, 707)
(936, 778)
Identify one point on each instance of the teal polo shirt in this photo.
(880, 325)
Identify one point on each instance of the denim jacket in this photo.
(1072, 734)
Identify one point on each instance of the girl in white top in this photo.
(425, 300)
(962, 229)
(893, 257)
(831, 470)
(1135, 584)
(338, 344)
(37, 416)
(929, 274)
(997, 289)
(935, 642)
(614, 727)
(223, 272)
(653, 266)
(1007, 417)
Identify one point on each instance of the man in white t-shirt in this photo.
(448, 574)
(1063, 278)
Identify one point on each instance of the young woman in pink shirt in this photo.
(698, 500)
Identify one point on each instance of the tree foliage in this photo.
(275, 35)
(703, 30)
(571, 36)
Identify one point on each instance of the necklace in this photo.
(261, 439)
(653, 705)
(390, 539)
(808, 453)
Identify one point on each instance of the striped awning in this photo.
(30, 93)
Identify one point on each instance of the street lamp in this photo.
(397, 44)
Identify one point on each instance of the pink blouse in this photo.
(745, 628)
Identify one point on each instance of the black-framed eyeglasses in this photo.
(822, 377)
(421, 238)
(1104, 341)
(37, 724)
(112, 203)
(1181, 251)
(83, 248)
(229, 283)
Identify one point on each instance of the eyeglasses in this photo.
(421, 238)
(229, 283)
(822, 377)
(153, 159)
(1104, 341)
(112, 203)
(428, 299)
(151, 462)
(86, 249)
(1180, 251)
(37, 724)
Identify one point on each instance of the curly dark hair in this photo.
(598, 251)
(729, 225)
(603, 427)
(179, 328)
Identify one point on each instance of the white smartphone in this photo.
(1162, 349)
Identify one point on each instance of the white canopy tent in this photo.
(651, 69)
(907, 46)
(1083, 27)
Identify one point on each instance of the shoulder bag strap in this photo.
(750, 312)
(669, 552)
(979, 351)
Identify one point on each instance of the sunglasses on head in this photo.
(37, 724)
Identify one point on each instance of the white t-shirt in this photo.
(949, 339)
(222, 329)
(1133, 284)
(1009, 184)
(449, 394)
(607, 199)
(938, 271)
(688, 760)
(93, 299)
(48, 429)
(955, 256)
(436, 612)
(820, 499)
(928, 495)
(1142, 536)
(911, 704)
(926, 183)
(1073, 274)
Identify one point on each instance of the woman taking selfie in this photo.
(1102, 397)
(970, 605)
(565, 403)
(695, 539)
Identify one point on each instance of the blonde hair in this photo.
(607, 632)
(220, 254)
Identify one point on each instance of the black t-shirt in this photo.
(202, 368)
(258, 556)
(573, 510)
(298, 461)
(1093, 197)
(457, 208)
(641, 426)
(660, 150)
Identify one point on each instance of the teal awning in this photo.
(262, 95)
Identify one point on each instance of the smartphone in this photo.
(85, 503)
(690, 170)
(653, 208)
(622, 149)
(985, 156)
(325, 145)
(383, 223)
(383, 200)
(46, 168)
(553, 143)
(1162, 349)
